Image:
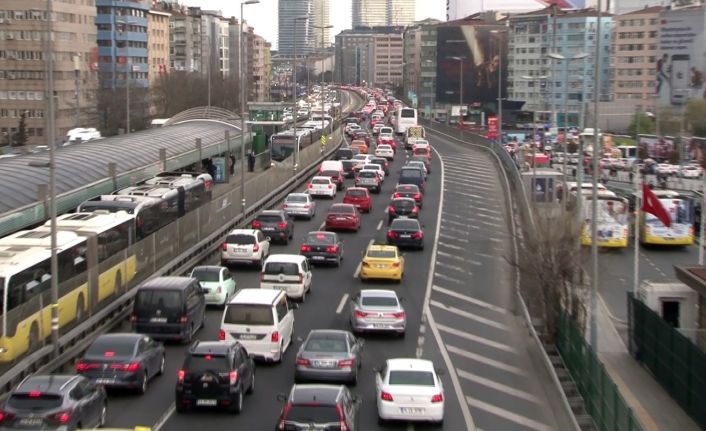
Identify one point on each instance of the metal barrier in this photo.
(603, 401)
(676, 362)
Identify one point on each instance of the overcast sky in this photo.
(263, 16)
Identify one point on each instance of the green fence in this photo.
(676, 362)
(602, 398)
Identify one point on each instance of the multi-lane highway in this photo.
(493, 379)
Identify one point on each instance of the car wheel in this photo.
(381, 421)
(143, 384)
(189, 334)
(238, 403)
(251, 389)
(161, 366)
(401, 334)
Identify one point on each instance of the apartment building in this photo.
(158, 53)
(215, 42)
(185, 40)
(261, 73)
(373, 55)
(22, 68)
(635, 49)
(420, 62)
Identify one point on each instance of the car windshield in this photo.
(269, 218)
(412, 378)
(403, 203)
(240, 239)
(382, 254)
(320, 238)
(32, 401)
(286, 268)
(112, 348)
(330, 173)
(297, 198)
(401, 224)
(320, 181)
(248, 314)
(197, 363)
(408, 189)
(207, 274)
(379, 301)
(326, 344)
(150, 299)
(313, 413)
(356, 193)
(368, 174)
(342, 209)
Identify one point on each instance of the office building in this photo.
(22, 65)
(185, 40)
(420, 63)
(158, 53)
(376, 13)
(308, 38)
(370, 55)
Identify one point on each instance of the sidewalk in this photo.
(654, 409)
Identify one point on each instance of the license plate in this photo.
(158, 320)
(206, 402)
(317, 257)
(405, 236)
(324, 364)
(340, 218)
(379, 325)
(268, 228)
(105, 381)
(381, 266)
(31, 421)
(248, 337)
(411, 410)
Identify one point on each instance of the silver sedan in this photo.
(377, 311)
(299, 205)
(330, 355)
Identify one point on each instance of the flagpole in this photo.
(638, 206)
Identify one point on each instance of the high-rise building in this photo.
(22, 64)
(308, 38)
(373, 55)
(158, 53)
(185, 40)
(374, 13)
(322, 18)
(457, 9)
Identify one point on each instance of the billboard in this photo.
(680, 65)
(656, 147)
(476, 50)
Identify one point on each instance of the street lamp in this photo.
(295, 159)
(460, 88)
(242, 104)
(500, 84)
(566, 60)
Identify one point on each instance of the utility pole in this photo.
(243, 88)
(594, 203)
(51, 134)
(77, 78)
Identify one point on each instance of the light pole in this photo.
(323, 28)
(242, 103)
(566, 61)
(500, 84)
(535, 80)
(210, 59)
(77, 77)
(295, 141)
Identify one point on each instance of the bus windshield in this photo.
(282, 147)
(680, 212)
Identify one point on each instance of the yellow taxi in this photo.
(382, 261)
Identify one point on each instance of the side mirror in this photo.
(282, 397)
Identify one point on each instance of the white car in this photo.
(409, 390)
(385, 151)
(245, 246)
(217, 280)
(376, 168)
(322, 186)
(691, 171)
(420, 143)
(290, 273)
(665, 168)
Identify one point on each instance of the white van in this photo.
(261, 320)
(331, 165)
(289, 273)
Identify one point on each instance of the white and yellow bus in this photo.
(681, 212)
(94, 263)
(613, 223)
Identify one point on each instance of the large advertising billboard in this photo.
(681, 64)
(478, 51)
(656, 147)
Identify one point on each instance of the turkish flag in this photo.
(652, 205)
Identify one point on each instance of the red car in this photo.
(388, 140)
(360, 198)
(361, 135)
(408, 191)
(342, 216)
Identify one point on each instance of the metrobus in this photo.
(282, 144)
(404, 118)
(94, 263)
(147, 211)
(613, 224)
(681, 212)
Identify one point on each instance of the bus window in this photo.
(72, 262)
(114, 241)
(27, 284)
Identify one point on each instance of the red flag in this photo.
(652, 205)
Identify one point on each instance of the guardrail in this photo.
(173, 250)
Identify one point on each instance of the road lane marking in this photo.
(323, 225)
(469, 299)
(342, 303)
(451, 256)
(485, 360)
(357, 270)
(498, 386)
(451, 279)
(379, 225)
(458, 390)
(451, 267)
(476, 338)
(453, 247)
(470, 316)
(457, 223)
(165, 417)
(507, 415)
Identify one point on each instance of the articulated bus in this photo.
(613, 229)
(84, 241)
(681, 211)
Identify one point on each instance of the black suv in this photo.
(275, 224)
(66, 402)
(313, 406)
(215, 374)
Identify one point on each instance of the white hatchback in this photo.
(376, 168)
(385, 151)
(409, 390)
(290, 273)
(322, 186)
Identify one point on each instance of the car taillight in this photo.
(391, 209)
(84, 366)
(4, 416)
(415, 209)
(275, 337)
(386, 396)
(417, 196)
(396, 195)
(284, 206)
(310, 186)
(221, 335)
(359, 313)
(285, 413)
(305, 249)
(399, 315)
(282, 225)
(366, 264)
(256, 224)
(232, 377)
(437, 398)
(303, 361)
(417, 235)
(225, 246)
(396, 265)
(184, 319)
(345, 363)
(332, 249)
(301, 278)
(330, 186)
(180, 375)
(60, 417)
(255, 248)
(307, 206)
(131, 367)
(392, 234)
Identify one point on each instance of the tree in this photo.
(670, 123)
(178, 91)
(21, 136)
(696, 116)
(641, 124)
(112, 109)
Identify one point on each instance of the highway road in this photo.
(493, 380)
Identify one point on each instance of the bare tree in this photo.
(178, 91)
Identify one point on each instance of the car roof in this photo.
(256, 296)
(321, 177)
(315, 393)
(121, 336)
(403, 199)
(328, 332)
(51, 383)
(299, 194)
(406, 220)
(341, 206)
(410, 364)
(356, 189)
(273, 212)
(243, 232)
(406, 186)
(381, 247)
(378, 292)
(171, 283)
(296, 258)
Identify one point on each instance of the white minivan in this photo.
(261, 320)
(290, 273)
